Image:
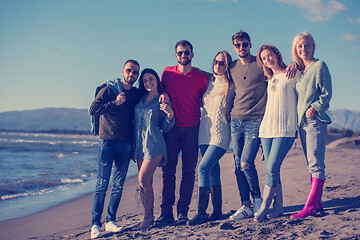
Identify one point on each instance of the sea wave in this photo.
(24, 188)
(26, 194)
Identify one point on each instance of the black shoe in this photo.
(199, 218)
(165, 219)
(182, 218)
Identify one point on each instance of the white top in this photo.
(214, 128)
(280, 118)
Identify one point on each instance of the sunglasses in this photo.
(220, 63)
(238, 45)
(128, 71)
(180, 53)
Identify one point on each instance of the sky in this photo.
(55, 53)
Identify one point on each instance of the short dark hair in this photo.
(132, 61)
(184, 43)
(241, 35)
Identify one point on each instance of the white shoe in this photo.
(257, 205)
(95, 232)
(111, 226)
(241, 213)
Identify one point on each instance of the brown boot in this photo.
(148, 203)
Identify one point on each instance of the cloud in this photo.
(354, 21)
(355, 48)
(349, 37)
(317, 10)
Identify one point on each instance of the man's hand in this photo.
(120, 99)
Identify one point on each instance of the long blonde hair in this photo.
(296, 58)
(227, 77)
(267, 71)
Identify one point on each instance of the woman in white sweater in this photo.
(278, 127)
(214, 137)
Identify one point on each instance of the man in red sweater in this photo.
(185, 85)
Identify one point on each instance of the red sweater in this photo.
(185, 91)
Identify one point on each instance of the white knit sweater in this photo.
(214, 128)
(280, 119)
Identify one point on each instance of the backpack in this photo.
(116, 86)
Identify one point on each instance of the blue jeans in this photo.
(246, 142)
(209, 167)
(312, 136)
(110, 152)
(275, 150)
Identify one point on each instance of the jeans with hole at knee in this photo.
(246, 142)
(209, 167)
(312, 135)
(119, 154)
(275, 150)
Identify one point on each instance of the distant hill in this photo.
(344, 118)
(72, 119)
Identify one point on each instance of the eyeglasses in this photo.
(238, 45)
(128, 71)
(180, 53)
(273, 81)
(221, 63)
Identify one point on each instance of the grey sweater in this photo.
(250, 90)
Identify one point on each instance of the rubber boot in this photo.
(216, 199)
(320, 207)
(268, 196)
(278, 209)
(313, 202)
(203, 202)
(148, 203)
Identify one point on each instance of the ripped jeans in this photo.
(246, 142)
(110, 152)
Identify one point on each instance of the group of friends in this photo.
(250, 101)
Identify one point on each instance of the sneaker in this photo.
(241, 213)
(165, 219)
(95, 232)
(111, 226)
(182, 218)
(257, 205)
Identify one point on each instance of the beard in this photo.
(130, 80)
(184, 62)
(244, 55)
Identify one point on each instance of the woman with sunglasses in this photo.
(152, 118)
(314, 93)
(214, 137)
(278, 127)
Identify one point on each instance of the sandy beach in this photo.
(340, 220)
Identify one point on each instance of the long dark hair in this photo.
(141, 81)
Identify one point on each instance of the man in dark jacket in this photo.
(115, 144)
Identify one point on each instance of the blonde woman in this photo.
(314, 93)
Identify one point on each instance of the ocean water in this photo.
(38, 171)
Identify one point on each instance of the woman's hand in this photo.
(164, 98)
(167, 109)
(310, 112)
(291, 70)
